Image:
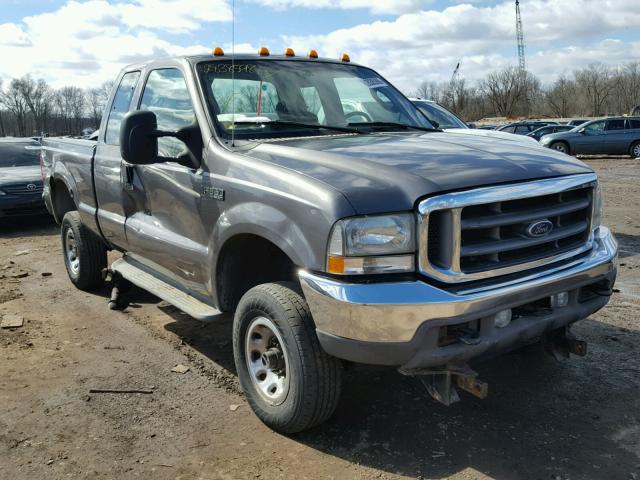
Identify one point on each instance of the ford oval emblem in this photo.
(539, 228)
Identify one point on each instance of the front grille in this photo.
(505, 229)
(23, 188)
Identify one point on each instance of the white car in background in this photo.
(442, 118)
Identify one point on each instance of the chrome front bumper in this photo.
(393, 312)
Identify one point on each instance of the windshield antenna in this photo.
(233, 72)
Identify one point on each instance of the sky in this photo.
(86, 42)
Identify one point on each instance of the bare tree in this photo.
(596, 83)
(39, 100)
(505, 90)
(14, 102)
(561, 96)
(95, 105)
(70, 102)
(429, 91)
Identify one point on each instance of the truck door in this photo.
(164, 228)
(109, 184)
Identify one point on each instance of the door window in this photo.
(522, 129)
(634, 124)
(617, 124)
(594, 128)
(120, 106)
(166, 95)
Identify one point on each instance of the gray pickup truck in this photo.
(311, 198)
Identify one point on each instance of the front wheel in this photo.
(85, 255)
(289, 381)
(560, 147)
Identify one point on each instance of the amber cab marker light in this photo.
(289, 52)
(218, 52)
(313, 54)
(345, 57)
(263, 52)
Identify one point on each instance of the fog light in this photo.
(560, 299)
(502, 318)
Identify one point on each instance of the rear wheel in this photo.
(85, 255)
(289, 381)
(560, 147)
(635, 150)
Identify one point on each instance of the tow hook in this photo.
(441, 382)
(561, 343)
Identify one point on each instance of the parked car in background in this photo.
(577, 121)
(442, 118)
(20, 178)
(487, 127)
(610, 136)
(542, 131)
(523, 128)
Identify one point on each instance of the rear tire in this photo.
(85, 255)
(560, 147)
(634, 151)
(290, 382)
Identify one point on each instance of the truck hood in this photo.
(20, 174)
(510, 137)
(389, 172)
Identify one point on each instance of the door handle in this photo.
(126, 174)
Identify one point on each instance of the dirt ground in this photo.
(543, 419)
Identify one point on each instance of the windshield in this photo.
(19, 154)
(439, 115)
(283, 98)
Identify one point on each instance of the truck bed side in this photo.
(68, 178)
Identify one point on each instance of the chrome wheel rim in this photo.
(636, 151)
(267, 360)
(71, 251)
(560, 147)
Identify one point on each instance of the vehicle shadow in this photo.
(212, 339)
(32, 226)
(542, 419)
(629, 245)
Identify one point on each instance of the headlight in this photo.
(597, 206)
(2, 193)
(377, 244)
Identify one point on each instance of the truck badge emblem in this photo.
(539, 228)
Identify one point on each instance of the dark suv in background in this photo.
(20, 178)
(609, 136)
(524, 128)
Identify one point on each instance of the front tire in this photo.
(85, 255)
(290, 382)
(560, 147)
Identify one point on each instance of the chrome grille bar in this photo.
(480, 233)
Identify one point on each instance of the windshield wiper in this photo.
(393, 124)
(286, 123)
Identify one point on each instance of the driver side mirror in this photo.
(139, 137)
(139, 140)
(582, 131)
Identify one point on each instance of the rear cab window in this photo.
(166, 95)
(120, 106)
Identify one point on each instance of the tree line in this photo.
(31, 107)
(595, 91)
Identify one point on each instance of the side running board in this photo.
(176, 297)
